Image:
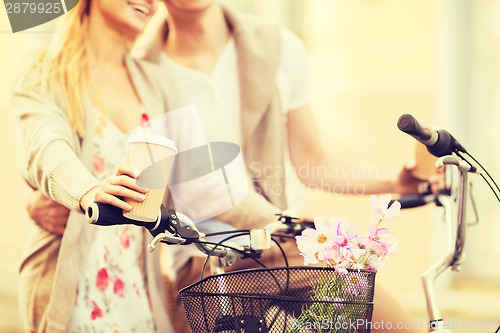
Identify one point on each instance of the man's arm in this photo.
(46, 213)
(253, 212)
(307, 152)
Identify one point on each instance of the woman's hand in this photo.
(114, 189)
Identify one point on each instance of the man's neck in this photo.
(196, 40)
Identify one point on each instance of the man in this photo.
(249, 80)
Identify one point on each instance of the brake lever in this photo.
(171, 231)
(188, 232)
(288, 218)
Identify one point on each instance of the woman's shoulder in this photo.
(26, 69)
(30, 77)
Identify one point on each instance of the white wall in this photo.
(483, 133)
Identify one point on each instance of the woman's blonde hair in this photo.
(64, 64)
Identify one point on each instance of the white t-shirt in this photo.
(217, 97)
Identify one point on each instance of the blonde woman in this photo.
(74, 106)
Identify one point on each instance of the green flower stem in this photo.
(321, 315)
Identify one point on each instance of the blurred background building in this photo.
(370, 61)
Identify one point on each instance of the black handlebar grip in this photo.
(414, 200)
(107, 215)
(408, 124)
(439, 143)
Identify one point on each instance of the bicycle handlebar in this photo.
(172, 227)
(439, 143)
(168, 220)
(108, 215)
(415, 200)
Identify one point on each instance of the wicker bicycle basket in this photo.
(288, 299)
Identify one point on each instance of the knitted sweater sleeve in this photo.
(47, 146)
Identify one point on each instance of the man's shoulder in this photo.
(265, 28)
(257, 23)
(256, 19)
(290, 40)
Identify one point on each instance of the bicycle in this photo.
(169, 229)
(250, 300)
(450, 153)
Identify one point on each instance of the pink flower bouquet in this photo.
(336, 244)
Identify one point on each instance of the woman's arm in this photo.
(48, 159)
(47, 146)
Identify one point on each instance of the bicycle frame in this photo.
(457, 235)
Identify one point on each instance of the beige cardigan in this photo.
(50, 261)
(57, 162)
(258, 45)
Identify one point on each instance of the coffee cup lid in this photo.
(152, 138)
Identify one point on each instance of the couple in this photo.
(78, 100)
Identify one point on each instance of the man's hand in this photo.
(48, 214)
(408, 183)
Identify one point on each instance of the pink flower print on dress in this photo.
(118, 287)
(134, 287)
(96, 311)
(98, 163)
(102, 279)
(124, 238)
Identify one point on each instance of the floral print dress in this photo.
(112, 294)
